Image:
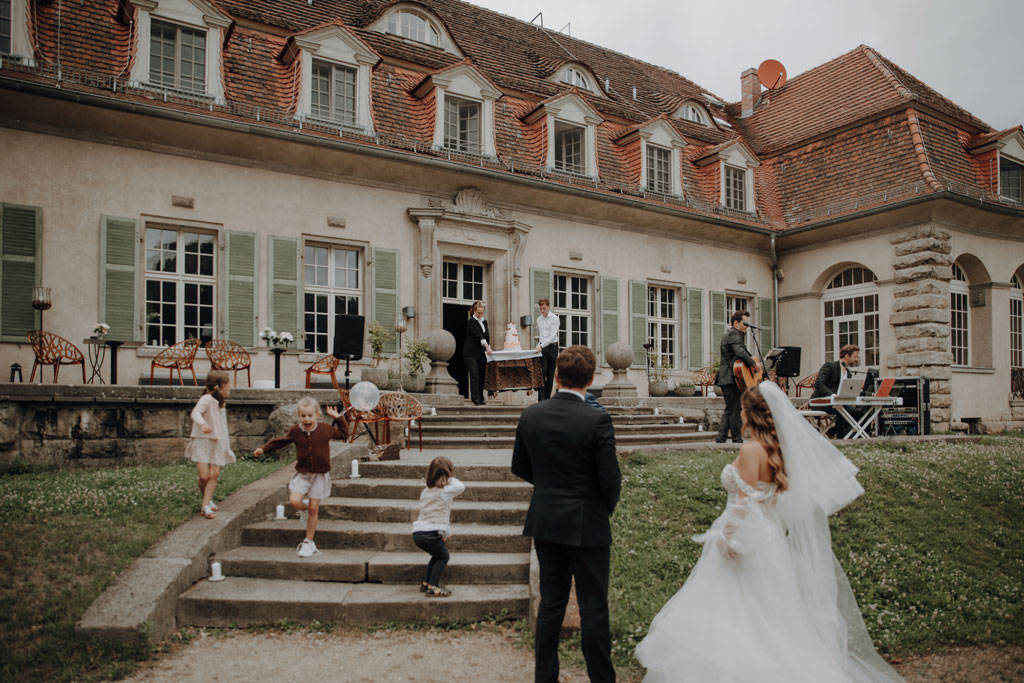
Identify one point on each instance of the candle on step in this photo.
(355, 469)
(433, 410)
(656, 412)
(215, 574)
(681, 420)
(280, 512)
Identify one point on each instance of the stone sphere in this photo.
(619, 355)
(442, 345)
(364, 396)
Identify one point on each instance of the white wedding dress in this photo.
(767, 601)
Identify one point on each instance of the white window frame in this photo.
(868, 321)
(739, 157)
(21, 43)
(180, 279)
(1020, 186)
(569, 311)
(661, 156)
(570, 109)
(336, 46)
(562, 129)
(576, 78)
(461, 280)
(444, 39)
(728, 178)
(693, 113)
(348, 118)
(658, 323)
(398, 27)
(960, 303)
(1016, 322)
(464, 82)
(329, 289)
(177, 75)
(455, 142)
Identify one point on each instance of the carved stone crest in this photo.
(471, 202)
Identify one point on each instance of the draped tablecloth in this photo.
(511, 370)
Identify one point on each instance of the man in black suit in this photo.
(731, 349)
(566, 449)
(475, 350)
(827, 383)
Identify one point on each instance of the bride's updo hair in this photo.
(762, 429)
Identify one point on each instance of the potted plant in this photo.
(416, 355)
(661, 366)
(378, 336)
(684, 386)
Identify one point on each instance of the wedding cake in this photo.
(512, 338)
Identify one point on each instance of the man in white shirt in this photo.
(547, 327)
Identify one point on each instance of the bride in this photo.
(767, 601)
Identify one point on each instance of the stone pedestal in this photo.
(442, 348)
(620, 357)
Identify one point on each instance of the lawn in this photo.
(934, 549)
(64, 535)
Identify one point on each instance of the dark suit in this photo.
(475, 357)
(731, 349)
(566, 449)
(827, 383)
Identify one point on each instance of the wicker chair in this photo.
(226, 355)
(807, 383)
(402, 407)
(50, 349)
(357, 417)
(327, 365)
(703, 380)
(180, 356)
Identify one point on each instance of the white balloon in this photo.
(364, 396)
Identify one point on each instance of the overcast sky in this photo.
(968, 51)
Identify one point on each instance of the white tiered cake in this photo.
(512, 338)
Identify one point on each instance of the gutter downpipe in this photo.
(775, 291)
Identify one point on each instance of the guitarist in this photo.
(732, 349)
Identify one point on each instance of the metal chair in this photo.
(402, 407)
(51, 349)
(356, 417)
(180, 356)
(807, 383)
(326, 365)
(226, 355)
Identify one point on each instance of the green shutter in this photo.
(609, 314)
(20, 236)
(695, 328)
(119, 248)
(243, 260)
(638, 321)
(385, 292)
(766, 321)
(284, 285)
(719, 318)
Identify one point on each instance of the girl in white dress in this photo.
(767, 601)
(209, 447)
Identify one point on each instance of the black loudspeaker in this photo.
(348, 336)
(788, 362)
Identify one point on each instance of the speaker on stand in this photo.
(785, 360)
(348, 340)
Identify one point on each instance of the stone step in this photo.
(407, 510)
(240, 601)
(359, 566)
(333, 534)
(396, 469)
(496, 429)
(617, 420)
(631, 440)
(496, 491)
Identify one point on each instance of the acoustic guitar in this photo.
(747, 377)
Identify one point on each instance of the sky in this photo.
(969, 52)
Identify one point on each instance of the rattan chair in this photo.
(704, 380)
(327, 365)
(402, 407)
(227, 356)
(807, 383)
(180, 356)
(51, 349)
(376, 417)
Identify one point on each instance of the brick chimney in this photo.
(750, 87)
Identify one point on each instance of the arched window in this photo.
(1016, 322)
(851, 314)
(414, 27)
(690, 112)
(960, 317)
(575, 77)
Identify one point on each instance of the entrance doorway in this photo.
(462, 283)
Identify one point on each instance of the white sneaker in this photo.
(307, 548)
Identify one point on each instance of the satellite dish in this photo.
(772, 74)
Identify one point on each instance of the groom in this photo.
(566, 449)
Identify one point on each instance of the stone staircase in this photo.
(369, 570)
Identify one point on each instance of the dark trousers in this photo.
(476, 366)
(548, 358)
(731, 420)
(558, 565)
(433, 543)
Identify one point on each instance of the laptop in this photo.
(850, 387)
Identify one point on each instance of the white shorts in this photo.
(316, 485)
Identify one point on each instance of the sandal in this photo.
(424, 586)
(435, 592)
(208, 512)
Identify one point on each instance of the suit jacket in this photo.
(829, 377)
(473, 348)
(732, 347)
(566, 449)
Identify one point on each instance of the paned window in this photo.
(960, 317)
(569, 151)
(177, 57)
(659, 169)
(692, 113)
(333, 93)
(572, 305)
(1016, 320)
(462, 125)
(462, 282)
(662, 322)
(735, 188)
(180, 285)
(414, 27)
(5, 27)
(1011, 179)
(332, 282)
(851, 314)
(575, 77)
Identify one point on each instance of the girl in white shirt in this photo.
(433, 527)
(209, 447)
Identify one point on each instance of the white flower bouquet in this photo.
(100, 329)
(276, 338)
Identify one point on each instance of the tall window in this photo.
(735, 303)
(5, 27)
(662, 325)
(572, 305)
(462, 282)
(177, 57)
(414, 27)
(735, 188)
(333, 92)
(960, 317)
(659, 169)
(1016, 323)
(1011, 179)
(332, 281)
(851, 314)
(569, 155)
(575, 77)
(462, 125)
(180, 281)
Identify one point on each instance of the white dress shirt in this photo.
(547, 328)
(483, 342)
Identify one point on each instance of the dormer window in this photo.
(570, 150)
(572, 133)
(659, 169)
(735, 188)
(1011, 179)
(735, 170)
(414, 27)
(333, 92)
(660, 146)
(462, 125)
(691, 113)
(177, 57)
(574, 77)
(5, 27)
(464, 110)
